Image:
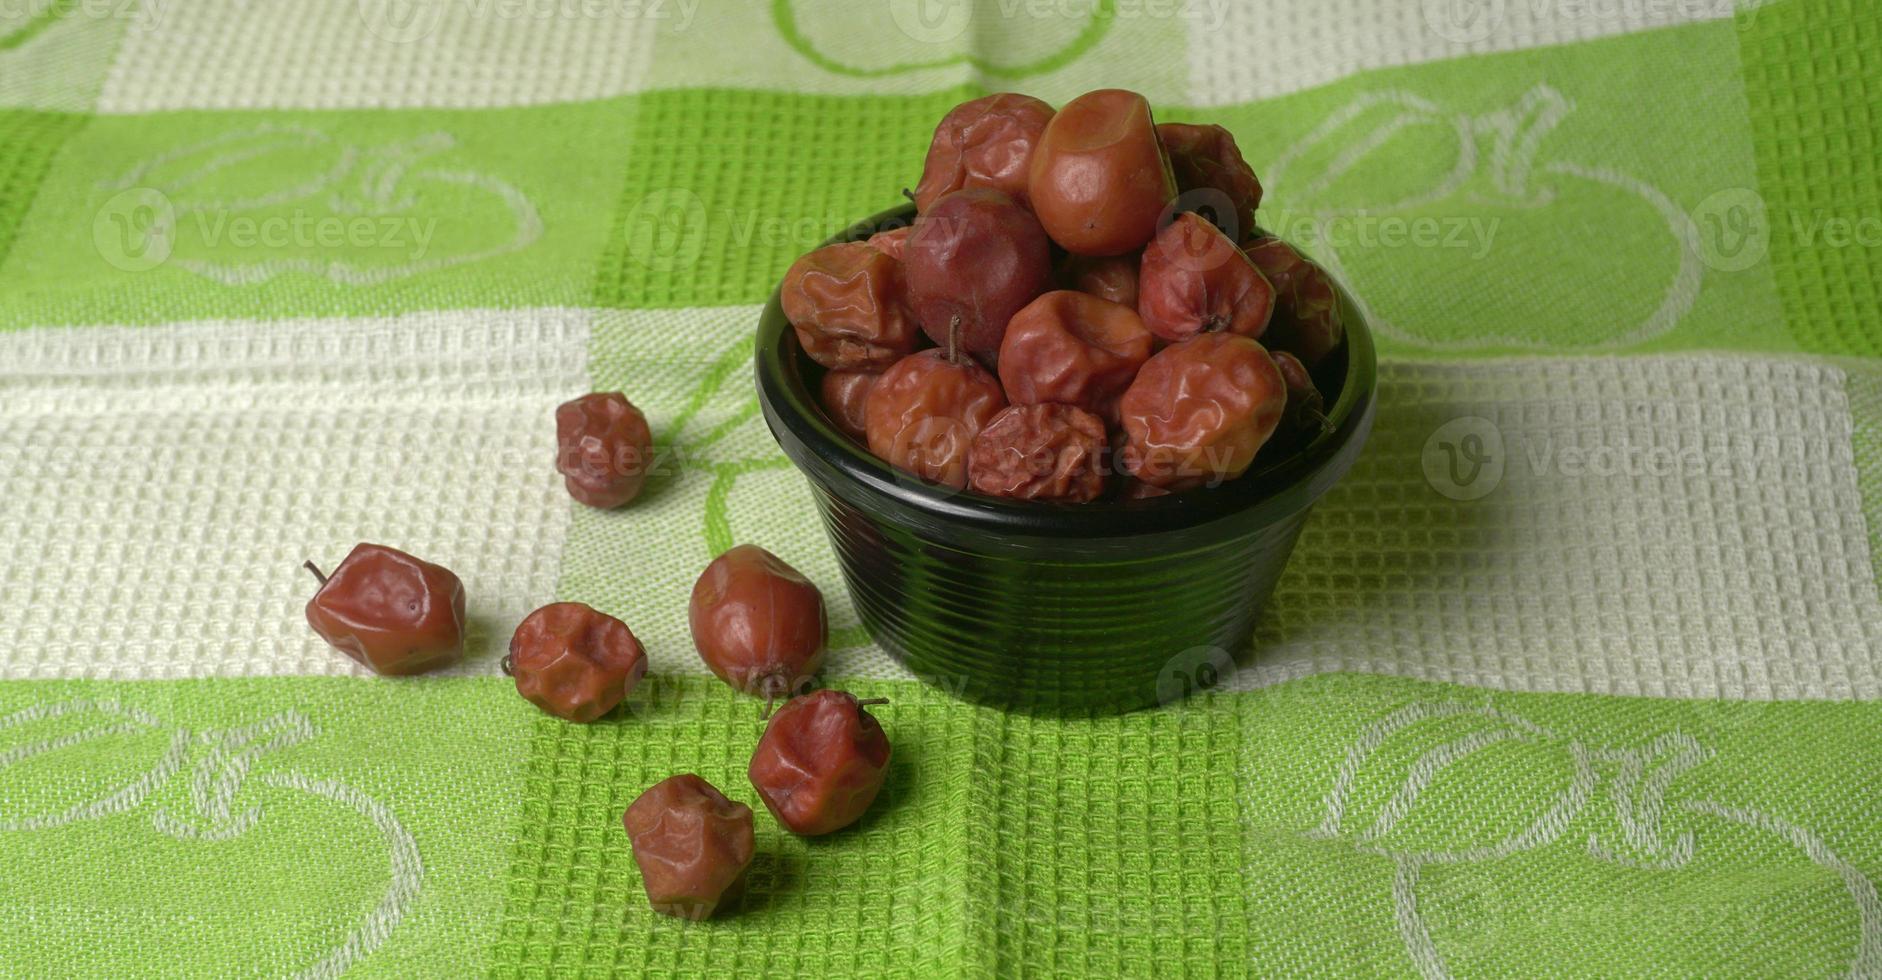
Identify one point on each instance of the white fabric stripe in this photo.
(1264, 50)
(288, 54)
(1703, 537)
(160, 486)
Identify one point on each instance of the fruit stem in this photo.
(908, 194)
(508, 665)
(764, 714)
(954, 339)
(310, 566)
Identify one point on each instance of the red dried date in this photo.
(892, 242)
(1206, 159)
(604, 448)
(394, 613)
(847, 303)
(986, 142)
(1195, 280)
(1303, 417)
(757, 623)
(1307, 308)
(820, 762)
(574, 662)
(1200, 410)
(975, 257)
(1073, 348)
(923, 413)
(1099, 179)
(845, 394)
(1049, 452)
(1112, 277)
(692, 844)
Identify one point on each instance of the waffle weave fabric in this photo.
(278, 277)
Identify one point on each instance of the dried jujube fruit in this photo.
(604, 448)
(891, 242)
(573, 661)
(975, 258)
(985, 142)
(844, 395)
(1307, 309)
(1112, 277)
(1194, 280)
(1205, 158)
(848, 304)
(1099, 178)
(1073, 348)
(394, 613)
(923, 413)
(821, 762)
(1303, 417)
(691, 843)
(1048, 452)
(758, 623)
(1200, 410)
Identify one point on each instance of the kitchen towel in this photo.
(1576, 673)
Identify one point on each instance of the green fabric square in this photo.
(28, 142)
(1813, 81)
(195, 215)
(726, 188)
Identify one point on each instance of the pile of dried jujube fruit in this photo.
(757, 623)
(1101, 304)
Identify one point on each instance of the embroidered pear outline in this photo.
(1643, 776)
(214, 783)
(784, 17)
(1506, 146)
(361, 181)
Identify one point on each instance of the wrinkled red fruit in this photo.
(847, 303)
(891, 242)
(923, 413)
(1200, 410)
(758, 623)
(1195, 280)
(986, 142)
(844, 395)
(975, 255)
(1099, 179)
(692, 845)
(1112, 277)
(574, 662)
(603, 448)
(1205, 158)
(1049, 452)
(1304, 403)
(1307, 308)
(391, 612)
(820, 762)
(1075, 349)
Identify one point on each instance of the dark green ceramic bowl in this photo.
(1096, 608)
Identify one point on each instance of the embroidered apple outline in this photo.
(1637, 780)
(931, 23)
(383, 189)
(1499, 162)
(215, 781)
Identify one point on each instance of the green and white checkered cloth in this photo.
(1576, 673)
